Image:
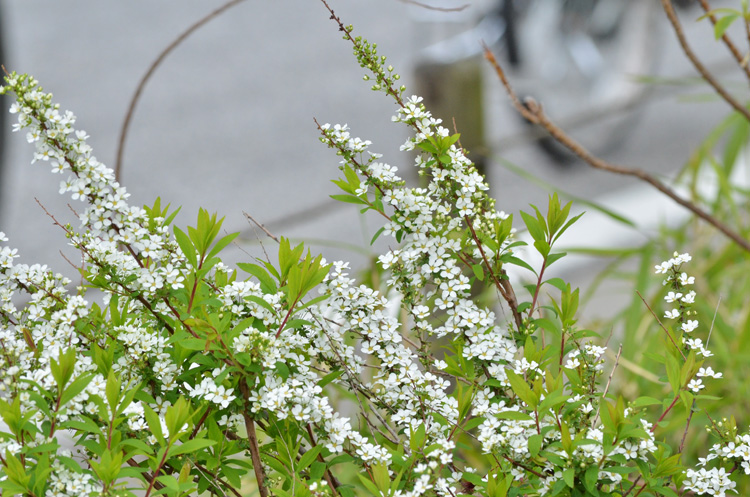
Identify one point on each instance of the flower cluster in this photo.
(679, 294)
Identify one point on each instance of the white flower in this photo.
(673, 314)
(708, 372)
(696, 385)
(672, 296)
(689, 325)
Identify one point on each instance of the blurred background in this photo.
(226, 123)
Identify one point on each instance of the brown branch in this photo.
(705, 73)
(260, 225)
(505, 291)
(252, 438)
(666, 411)
(635, 483)
(687, 426)
(741, 61)
(154, 65)
(534, 113)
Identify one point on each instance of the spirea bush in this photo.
(183, 376)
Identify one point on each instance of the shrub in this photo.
(183, 376)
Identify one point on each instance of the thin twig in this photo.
(431, 7)
(662, 326)
(635, 483)
(609, 381)
(741, 60)
(259, 225)
(507, 292)
(154, 65)
(687, 426)
(533, 112)
(705, 73)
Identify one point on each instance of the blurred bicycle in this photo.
(579, 58)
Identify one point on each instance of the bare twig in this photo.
(505, 289)
(662, 326)
(705, 73)
(154, 65)
(687, 425)
(259, 225)
(534, 113)
(609, 381)
(431, 7)
(741, 60)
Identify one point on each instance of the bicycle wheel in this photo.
(580, 60)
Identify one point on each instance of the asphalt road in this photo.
(227, 121)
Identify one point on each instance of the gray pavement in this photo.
(227, 121)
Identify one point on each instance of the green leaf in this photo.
(369, 485)
(82, 423)
(282, 370)
(349, 199)
(569, 477)
(522, 389)
(417, 438)
(567, 225)
(177, 416)
(344, 185)
(473, 478)
(551, 258)
(646, 401)
(723, 23)
(478, 270)
(267, 284)
(112, 390)
(154, 423)
(516, 415)
(377, 235)
(673, 372)
(535, 444)
(63, 368)
(169, 482)
(15, 471)
(308, 457)
(261, 302)
(221, 244)
(317, 470)
(190, 446)
(78, 385)
(351, 176)
(535, 228)
(591, 477)
(186, 246)
(139, 445)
